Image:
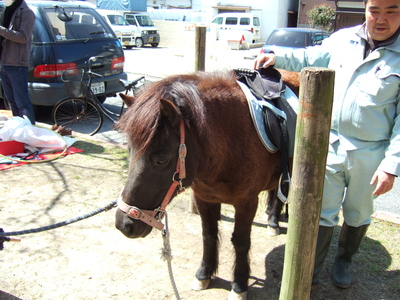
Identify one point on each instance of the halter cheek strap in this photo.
(153, 217)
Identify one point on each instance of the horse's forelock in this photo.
(141, 120)
(188, 98)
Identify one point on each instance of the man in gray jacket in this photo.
(364, 143)
(16, 24)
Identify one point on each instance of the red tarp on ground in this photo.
(70, 150)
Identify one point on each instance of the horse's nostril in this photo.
(131, 228)
(123, 223)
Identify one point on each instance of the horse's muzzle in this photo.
(129, 227)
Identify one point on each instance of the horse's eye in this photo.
(162, 160)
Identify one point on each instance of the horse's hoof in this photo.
(273, 231)
(237, 296)
(199, 285)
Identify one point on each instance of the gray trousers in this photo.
(347, 184)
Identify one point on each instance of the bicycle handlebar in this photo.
(93, 59)
(133, 83)
(90, 61)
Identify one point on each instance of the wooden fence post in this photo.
(200, 63)
(305, 195)
(200, 49)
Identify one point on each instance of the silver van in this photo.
(125, 32)
(146, 32)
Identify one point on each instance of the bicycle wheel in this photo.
(79, 115)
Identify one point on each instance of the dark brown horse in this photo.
(207, 114)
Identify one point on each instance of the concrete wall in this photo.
(272, 13)
(180, 35)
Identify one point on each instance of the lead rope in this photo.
(166, 255)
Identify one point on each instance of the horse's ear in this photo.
(170, 111)
(128, 100)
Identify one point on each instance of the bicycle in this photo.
(82, 110)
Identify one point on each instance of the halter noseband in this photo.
(153, 217)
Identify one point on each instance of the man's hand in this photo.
(264, 60)
(385, 182)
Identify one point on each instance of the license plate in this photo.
(151, 39)
(98, 88)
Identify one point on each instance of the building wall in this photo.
(272, 13)
(305, 6)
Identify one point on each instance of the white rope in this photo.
(166, 255)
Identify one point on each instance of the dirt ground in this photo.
(91, 259)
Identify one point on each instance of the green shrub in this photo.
(321, 16)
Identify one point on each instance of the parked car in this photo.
(66, 35)
(146, 32)
(292, 38)
(125, 32)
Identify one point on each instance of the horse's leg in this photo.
(210, 214)
(274, 209)
(244, 216)
(273, 212)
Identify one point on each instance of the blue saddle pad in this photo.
(256, 112)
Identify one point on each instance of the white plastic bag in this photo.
(35, 138)
(3, 119)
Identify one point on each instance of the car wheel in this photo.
(154, 45)
(139, 43)
(128, 47)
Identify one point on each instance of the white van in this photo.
(146, 32)
(247, 23)
(125, 32)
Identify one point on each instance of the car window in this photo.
(231, 21)
(218, 20)
(318, 38)
(131, 19)
(76, 23)
(144, 21)
(256, 21)
(288, 39)
(117, 20)
(244, 21)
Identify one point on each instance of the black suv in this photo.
(65, 35)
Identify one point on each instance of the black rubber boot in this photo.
(349, 242)
(323, 243)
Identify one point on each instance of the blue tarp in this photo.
(123, 5)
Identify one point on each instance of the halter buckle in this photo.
(159, 213)
(135, 213)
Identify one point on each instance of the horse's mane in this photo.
(141, 120)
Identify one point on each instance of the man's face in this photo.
(382, 18)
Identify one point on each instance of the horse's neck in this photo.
(291, 79)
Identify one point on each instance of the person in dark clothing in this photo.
(16, 25)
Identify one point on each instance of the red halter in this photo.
(153, 217)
